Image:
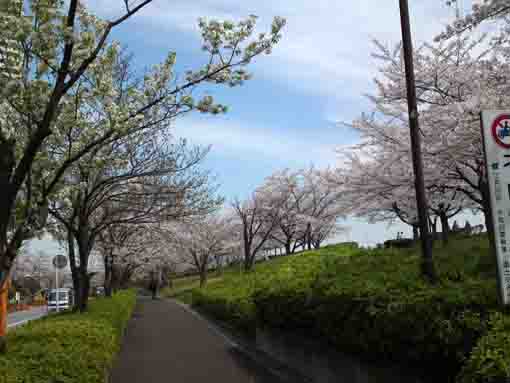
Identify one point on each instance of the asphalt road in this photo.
(21, 317)
(167, 343)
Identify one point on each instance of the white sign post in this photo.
(496, 137)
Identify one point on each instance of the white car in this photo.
(64, 298)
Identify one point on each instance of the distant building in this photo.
(10, 53)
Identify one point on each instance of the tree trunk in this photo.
(108, 276)
(219, 265)
(7, 259)
(84, 290)
(248, 263)
(248, 256)
(123, 278)
(433, 227)
(6, 262)
(84, 249)
(445, 227)
(74, 268)
(309, 236)
(287, 248)
(203, 277)
(7, 163)
(416, 233)
(155, 282)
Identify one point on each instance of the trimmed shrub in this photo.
(237, 308)
(375, 303)
(404, 243)
(490, 359)
(68, 347)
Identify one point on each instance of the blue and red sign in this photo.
(501, 130)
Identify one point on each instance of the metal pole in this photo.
(56, 288)
(428, 268)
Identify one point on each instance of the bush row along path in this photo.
(165, 342)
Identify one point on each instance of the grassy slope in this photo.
(375, 303)
(183, 287)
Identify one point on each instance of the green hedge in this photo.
(69, 347)
(375, 303)
(235, 308)
(490, 359)
(231, 300)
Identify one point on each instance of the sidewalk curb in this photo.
(283, 372)
(14, 325)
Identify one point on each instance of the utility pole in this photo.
(428, 268)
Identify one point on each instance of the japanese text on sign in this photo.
(496, 135)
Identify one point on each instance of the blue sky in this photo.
(289, 114)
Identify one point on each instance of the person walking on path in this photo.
(165, 342)
(154, 281)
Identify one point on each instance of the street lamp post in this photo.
(428, 267)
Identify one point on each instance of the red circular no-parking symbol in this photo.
(501, 130)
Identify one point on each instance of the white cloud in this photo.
(245, 141)
(326, 46)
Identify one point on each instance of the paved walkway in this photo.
(167, 343)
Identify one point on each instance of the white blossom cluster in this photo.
(79, 104)
(481, 11)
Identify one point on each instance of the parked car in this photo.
(64, 297)
(99, 291)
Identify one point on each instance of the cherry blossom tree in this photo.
(51, 101)
(377, 177)
(127, 249)
(453, 84)
(321, 207)
(256, 221)
(482, 10)
(150, 184)
(36, 267)
(201, 241)
(282, 193)
(291, 209)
